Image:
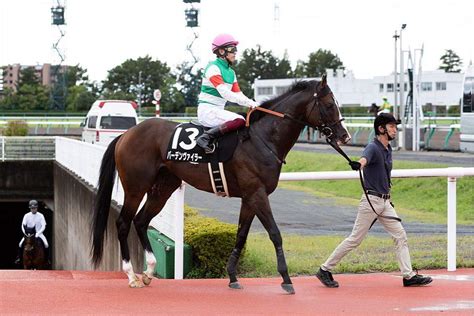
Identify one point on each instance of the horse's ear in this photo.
(324, 80)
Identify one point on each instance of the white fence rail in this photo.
(451, 173)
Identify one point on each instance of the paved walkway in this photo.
(94, 293)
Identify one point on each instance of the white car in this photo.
(108, 119)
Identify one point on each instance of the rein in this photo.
(343, 154)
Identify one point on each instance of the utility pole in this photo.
(395, 79)
(401, 114)
(140, 93)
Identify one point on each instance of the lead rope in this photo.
(343, 154)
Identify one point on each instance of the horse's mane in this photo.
(295, 88)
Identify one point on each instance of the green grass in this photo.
(415, 199)
(304, 254)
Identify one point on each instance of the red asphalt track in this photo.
(79, 292)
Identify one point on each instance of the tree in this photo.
(318, 62)
(28, 77)
(260, 64)
(76, 75)
(450, 61)
(79, 98)
(190, 82)
(140, 77)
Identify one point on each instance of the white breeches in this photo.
(43, 238)
(212, 115)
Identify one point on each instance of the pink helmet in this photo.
(223, 40)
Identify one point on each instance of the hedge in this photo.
(212, 242)
(16, 128)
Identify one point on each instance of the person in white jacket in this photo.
(33, 219)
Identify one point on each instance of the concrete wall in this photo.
(26, 180)
(73, 204)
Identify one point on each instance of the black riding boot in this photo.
(207, 139)
(47, 254)
(18, 256)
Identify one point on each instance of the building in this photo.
(437, 88)
(45, 74)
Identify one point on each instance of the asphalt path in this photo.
(302, 213)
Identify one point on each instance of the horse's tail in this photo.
(102, 202)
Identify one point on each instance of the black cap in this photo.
(383, 119)
(33, 204)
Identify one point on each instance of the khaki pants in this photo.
(365, 217)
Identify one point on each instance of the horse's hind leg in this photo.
(245, 221)
(161, 191)
(130, 205)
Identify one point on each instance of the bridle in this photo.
(325, 129)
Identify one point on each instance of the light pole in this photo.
(140, 93)
(402, 90)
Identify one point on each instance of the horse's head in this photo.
(324, 113)
(30, 238)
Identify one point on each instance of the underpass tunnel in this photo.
(11, 216)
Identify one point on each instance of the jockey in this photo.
(219, 87)
(386, 106)
(36, 220)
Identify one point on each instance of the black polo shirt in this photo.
(378, 168)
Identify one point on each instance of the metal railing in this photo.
(27, 148)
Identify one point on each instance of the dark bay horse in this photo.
(139, 156)
(34, 256)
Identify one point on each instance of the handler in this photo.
(376, 161)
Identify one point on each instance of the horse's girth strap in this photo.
(251, 110)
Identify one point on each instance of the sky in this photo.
(102, 34)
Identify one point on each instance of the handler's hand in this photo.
(355, 165)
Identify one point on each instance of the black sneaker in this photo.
(326, 278)
(417, 280)
(17, 261)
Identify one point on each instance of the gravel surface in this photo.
(302, 213)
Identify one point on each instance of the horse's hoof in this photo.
(288, 288)
(136, 284)
(235, 285)
(146, 279)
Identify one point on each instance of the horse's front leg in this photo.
(261, 205)
(245, 221)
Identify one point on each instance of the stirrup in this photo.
(210, 149)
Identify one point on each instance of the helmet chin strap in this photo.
(390, 138)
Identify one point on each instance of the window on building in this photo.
(426, 86)
(389, 87)
(405, 86)
(380, 87)
(282, 89)
(265, 90)
(441, 86)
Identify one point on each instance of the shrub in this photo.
(212, 242)
(16, 128)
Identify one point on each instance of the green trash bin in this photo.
(163, 249)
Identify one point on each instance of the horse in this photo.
(34, 256)
(139, 156)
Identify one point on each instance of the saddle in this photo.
(183, 147)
